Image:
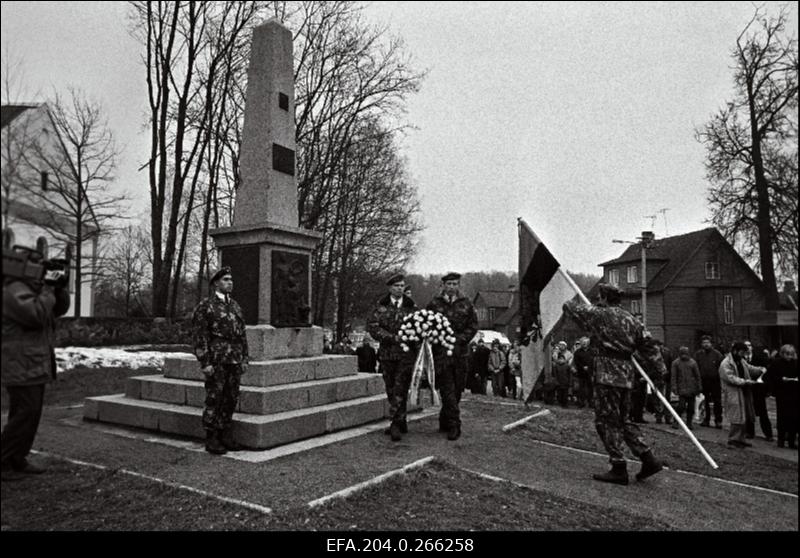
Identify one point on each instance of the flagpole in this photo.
(649, 381)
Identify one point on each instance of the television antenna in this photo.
(663, 212)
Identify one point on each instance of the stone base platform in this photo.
(281, 401)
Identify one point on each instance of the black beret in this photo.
(220, 274)
(396, 278)
(452, 276)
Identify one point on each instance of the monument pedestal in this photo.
(271, 267)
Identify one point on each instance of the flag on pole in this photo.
(543, 290)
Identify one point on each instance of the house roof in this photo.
(45, 218)
(496, 299)
(9, 112)
(672, 253)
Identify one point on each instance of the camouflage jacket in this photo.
(463, 320)
(218, 332)
(615, 336)
(384, 323)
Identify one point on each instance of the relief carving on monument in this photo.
(289, 300)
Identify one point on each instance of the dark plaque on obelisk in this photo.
(289, 299)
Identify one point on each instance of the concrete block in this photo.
(182, 368)
(266, 342)
(196, 396)
(333, 366)
(182, 423)
(364, 410)
(91, 410)
(323, 392)
(133, 387)
(163, 390)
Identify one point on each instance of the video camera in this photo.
(28, 264)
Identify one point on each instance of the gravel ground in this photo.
(557, 492)
(433, 498)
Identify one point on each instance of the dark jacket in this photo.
(582, 362)
(219, 332)
(708, 362)
(463, 319)
(685, 377)
(29, 331)
(385, 322)
(367, 358)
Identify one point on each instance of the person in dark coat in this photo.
(367, 357)
(759, 392)
(220, 345)
(687, 383)
(451, 370)
(30, 309)
(396, 364)
(481, 363)
(783, 384)
(708, 361)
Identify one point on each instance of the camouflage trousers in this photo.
(222, 396)
(397, 379)
(611, 411)
(451, 378)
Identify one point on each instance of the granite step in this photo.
(259, 400)
(272, 372)
(252, 431)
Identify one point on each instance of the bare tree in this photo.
(21, 134)
(125, 269)
(752, 150)
(74, 195)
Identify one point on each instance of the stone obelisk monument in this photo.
(270, 256)
(291, 390)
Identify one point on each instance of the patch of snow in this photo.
(68, 358)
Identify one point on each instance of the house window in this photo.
(712, 270)
(491, 314)
(44, 179)
(481, 314)
(633, 274)
(636, 307)
(613, 277)
(727, 308)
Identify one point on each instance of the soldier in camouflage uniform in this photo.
(451, 371)
(220, 344)
(615, 336)
(396, 364)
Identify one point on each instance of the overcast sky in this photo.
(577, 117)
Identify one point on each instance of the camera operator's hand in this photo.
(208, 371)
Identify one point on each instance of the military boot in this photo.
(650, 466)
(395, 432)
(617, 475)
(227, 440)
(213, 443)
(453, 433)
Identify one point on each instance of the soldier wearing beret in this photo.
(451, 370)
(220, 345)
(615, 336)
(396, 365)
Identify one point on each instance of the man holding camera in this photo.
(31, 304)
(220, 344)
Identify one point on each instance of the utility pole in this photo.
(646, 241)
